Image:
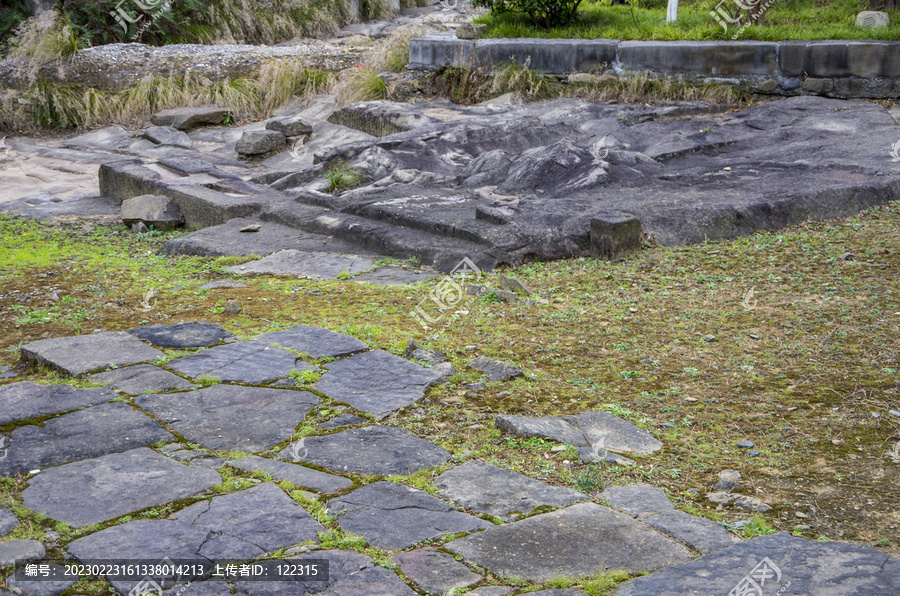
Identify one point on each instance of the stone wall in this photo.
(835, 68)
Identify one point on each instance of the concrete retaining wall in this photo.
(857, 68)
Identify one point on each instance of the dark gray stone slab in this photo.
(495, 370)
(392, 516)
(299, 475)
(720, 58)
(394, 276)
(188, 118)
(25, 399)
(40, 588)
(210, 587)
(210, 463)
(141, 378)
(614, 236)
(342, 420)
(95, 490)
(484, 488)
(434, 571)
(573, 542)
(8, 521)
(490, 591)
(257, 142)
(806, 567)
(371, 450)
(547, 427)
(250, 362)
(315, 342)
(20, 550)
(698, 533)
(92, 432)
(167, 135)
(293, 263)
(182, 335)
(637, 499)
(82, 354)
(232, 418)
(263, 516)
(159, 212)
(376, 382)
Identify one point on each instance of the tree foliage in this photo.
(543, 13)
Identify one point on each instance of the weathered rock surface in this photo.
(259, 142)
(188, 118)
(81, 354)
(8, 521)
(808, 566)
(314, 342)
(181, 335)
(141, 378)
(698, 533)
(299, 475)
(94, 490)
(495, 370)
(294, 263)
(290, 127)
(20, 550)
(167, 135)
(637, 499)
(392, 516)
(250, 362)
(434, 571)
(25, 399)
(371, 450)
(158, 212)
(376, 382)
(484, 488)
(232, 418)
(41, 588)
(92, 432)
(573, 542)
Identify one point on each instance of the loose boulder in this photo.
(188, 118)
(161, 213)
(260, 142)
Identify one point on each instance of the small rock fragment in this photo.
(232, 307)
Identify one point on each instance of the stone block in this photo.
(614, 235)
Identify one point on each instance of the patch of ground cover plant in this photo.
(670, 336)
(646, 20)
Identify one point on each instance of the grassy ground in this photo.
(801, 366)
(785, 19)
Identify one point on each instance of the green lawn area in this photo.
(785, 19)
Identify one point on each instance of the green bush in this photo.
(543, 13)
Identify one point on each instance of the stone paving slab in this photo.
(370, 450)
(490, 591)
(25, 399)
(394, 276)
(376, 382)
(392, 516)
(297, 474)
(230, 417)
(40, 588)
(92, 432)
(703, 535)
(250, 362)
(134, 380)
(20, 550)
(295, 263)
(8, 521)
(263, 516)
(484, 488)
(342, 420)
(434, 571)
(795, 565)
(82, 354)
(574, 542)
(182, 335)
(210, 587)
(95, 490)
(637, 499)
(315, 342)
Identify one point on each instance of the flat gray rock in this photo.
(394, 276)
(392, 516)
(210, 463)
(376, 382)
(370, 450)
(342, 420)
(167, 135)
(703, 535)
(182, 335)
(573, 542)
(484, 488)
(778, 563)
(25, 399)
(315, 342)
(40, 588)
(92, 432)
(263, 516)
(490, 591)
(8, 521)
(232, 418)
(434, 571)
(250, 362)
(82, 354)
(95, 490)
(637, 499)
(495, 370)
(188, 118)
(141, 378)
(594, 433)
(161, 213)
(20, 550)
(298, 475)
(296, 263)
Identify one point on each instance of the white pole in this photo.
(672, 12)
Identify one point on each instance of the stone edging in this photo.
(836, 68)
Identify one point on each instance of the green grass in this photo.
(342, 177)
(785, 19)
